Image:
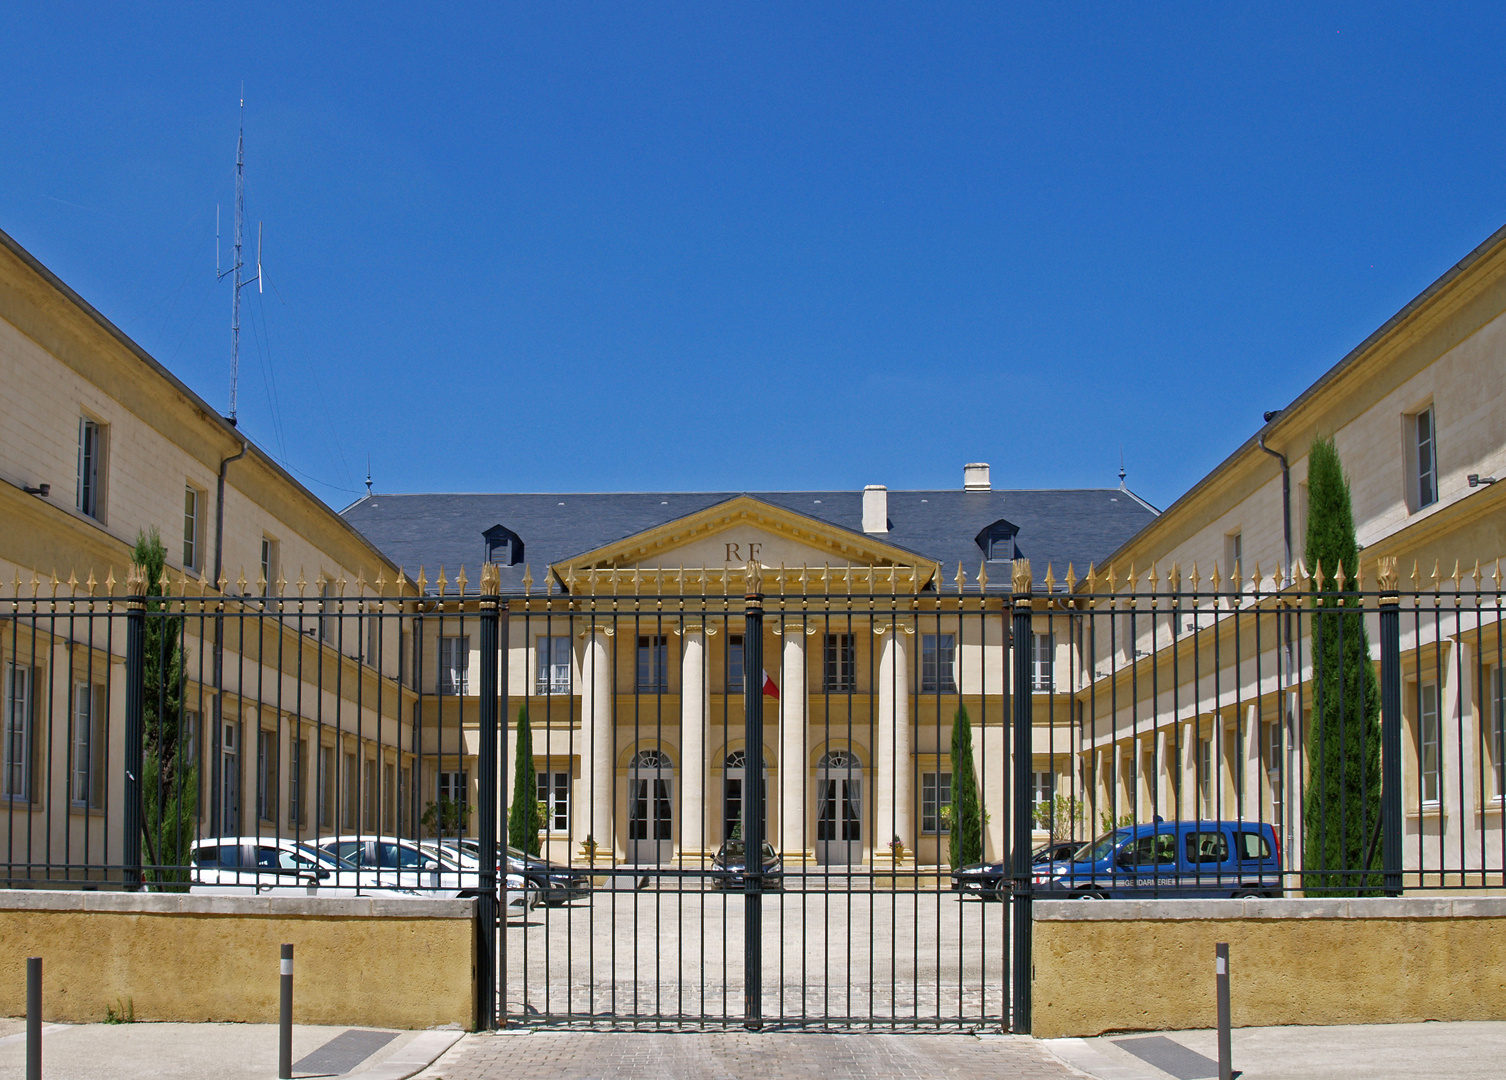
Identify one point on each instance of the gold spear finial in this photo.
(460, 580)
(983, 576)
(422, 581)
(1071, 578)
(960, 579)
(1215, 579)
(240, 582)
(1193, 578)
(440, 584)
(527, 580)
(1050, 579)
(91, 584)
(1339, 578)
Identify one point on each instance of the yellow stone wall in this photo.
(1148, 965)
(379, 963)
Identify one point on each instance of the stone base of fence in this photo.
(400, 963)
(1148, 965)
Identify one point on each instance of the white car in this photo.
(278, 866)
(411, 864)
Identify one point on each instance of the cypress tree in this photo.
(170, 781)
(1341, 802)
(967, 816)
(523, 822)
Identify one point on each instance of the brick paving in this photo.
(735, 1055)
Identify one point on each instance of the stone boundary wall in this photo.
(401, 963)
(1147, 965)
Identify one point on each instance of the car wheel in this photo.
(1089, 894)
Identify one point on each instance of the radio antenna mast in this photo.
(237, 263)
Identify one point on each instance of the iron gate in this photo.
(658, 783)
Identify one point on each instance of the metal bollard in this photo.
(33, 1018)
(285, 1018)
(1221, 966)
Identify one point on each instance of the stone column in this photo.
(893, 756)
(1191, 796)
(1255, 778)
(597, 774)
(793, 768)
(693, 712)
(1166, 777)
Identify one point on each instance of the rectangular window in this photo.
(266, 775)
(369, 797)
(298, 782)
(192, 506)
(653, 663)
(735, 672)
(87, 784)
(327, 619)
(91, 471)
(1431, 745)
(1425, 458)
(404, 797)
(327, 787)
(1042, 787)
(553, 665)
(938, 664)
(554, 793)
(1498, 730)
(373, 640)
(351, 804)
(1234, 553)
(839, 663)
(268, 565)
(454, 792)
(1042, 662)
(18, 725)
(389, 798)
(935, 792)
(454, 658)
(1273, 760)
(1205, 774)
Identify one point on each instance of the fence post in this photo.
(135, 676)
(1390, 680)
(285, 1013)
(753, 794)
(1020, 813)
(33, 1018)
(488, 788)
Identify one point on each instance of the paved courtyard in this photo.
(738, 1054)
(908, 956)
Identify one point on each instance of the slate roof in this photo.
(1057, 527)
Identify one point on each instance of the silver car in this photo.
(411, 864)
(278, 866)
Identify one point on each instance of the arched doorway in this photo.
(650, 837)
(734, 795)
(839, 808)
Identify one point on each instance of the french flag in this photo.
(770, 687)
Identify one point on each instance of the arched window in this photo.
(838, 759)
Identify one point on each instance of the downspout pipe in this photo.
(1284, 628)
(216, 810)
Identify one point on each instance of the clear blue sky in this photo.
(569, 247)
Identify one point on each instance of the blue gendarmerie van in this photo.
(1171, 859)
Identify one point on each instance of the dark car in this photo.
(557, 884)
(1057, 851)
(980, 879)
(731, 863)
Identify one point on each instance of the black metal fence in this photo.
(344, 737)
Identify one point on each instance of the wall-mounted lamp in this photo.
(1475, 480)
(43, 490)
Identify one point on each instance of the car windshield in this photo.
(733, 849)
(1103, 847)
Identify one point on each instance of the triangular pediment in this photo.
(715, 546)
